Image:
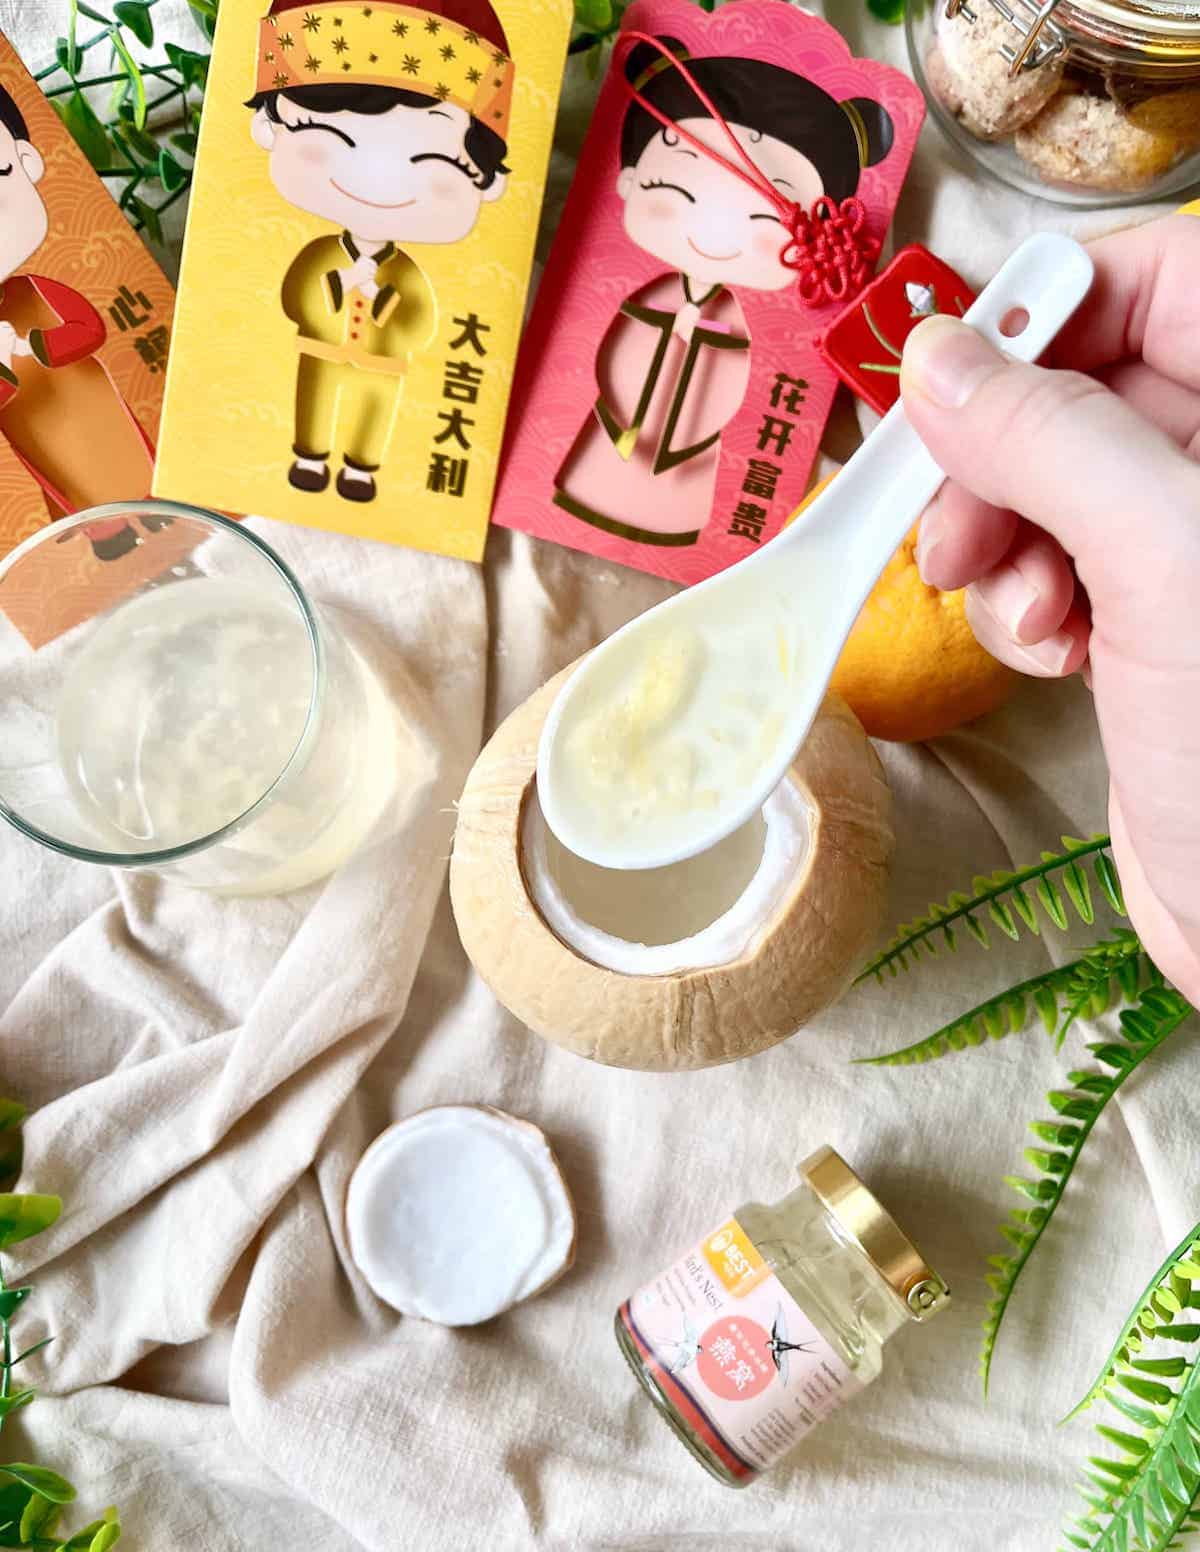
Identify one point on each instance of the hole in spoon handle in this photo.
(1047, 278)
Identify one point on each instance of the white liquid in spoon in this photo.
(679, 723)
(696, 706)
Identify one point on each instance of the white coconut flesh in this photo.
(458, 1213)
(706, 911)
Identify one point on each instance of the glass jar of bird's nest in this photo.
(775, 1319)
(1087, 102)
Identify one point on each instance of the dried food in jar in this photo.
(1113, 85)
(1088, 142)
(1168, 113)
(970, 76)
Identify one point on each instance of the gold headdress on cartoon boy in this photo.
(452, 50)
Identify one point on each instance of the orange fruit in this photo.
(911, 668)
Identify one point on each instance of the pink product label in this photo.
(735, 1354)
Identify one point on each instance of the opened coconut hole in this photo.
(685, 966)
(707, 910)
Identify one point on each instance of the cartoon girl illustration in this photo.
(60, 411)
(389, 121)
(674, 365)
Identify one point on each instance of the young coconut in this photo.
(458, 1213)
(685, 966)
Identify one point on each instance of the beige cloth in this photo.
(206, 1073)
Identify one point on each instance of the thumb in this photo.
(1063, 451)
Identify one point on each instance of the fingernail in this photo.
(946, 361)
(1048, 657)
(1009, 596)
(1045, 659)
(929, 537)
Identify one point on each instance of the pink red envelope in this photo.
(670, 397)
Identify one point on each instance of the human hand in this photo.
(1072, 517)
(361, 273)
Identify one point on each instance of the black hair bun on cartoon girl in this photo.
(876, 124)
(645, 54)
(839, 138)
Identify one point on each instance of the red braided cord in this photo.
(756, 178)
(832, 261)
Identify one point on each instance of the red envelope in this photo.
(670, 398)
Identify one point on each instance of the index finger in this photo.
(1144, 302)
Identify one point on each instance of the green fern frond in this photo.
(1118, 963)
(1155, 1314)
(1141, 1500)
(1009, 903)
(1159, 1011)
(1084, 985)
(1004, 1014)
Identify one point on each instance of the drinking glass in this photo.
(170, 699)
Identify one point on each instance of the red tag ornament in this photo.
(864, 344)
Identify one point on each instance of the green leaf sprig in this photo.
(33, 1497)
(1115, 968)
(1149, 1494)
(1158, 1013)
(145, 139)
(1083, 986)
(1012, 901)
(597, 23)
(1141, 1500)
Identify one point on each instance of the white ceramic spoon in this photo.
(674, 731)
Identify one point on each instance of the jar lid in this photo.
(1174, 21)
(873, 1229)
(1160, 36)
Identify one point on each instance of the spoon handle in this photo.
(861, 518)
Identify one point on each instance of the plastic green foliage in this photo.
(1086, 985)
(1005, 897)
(1062, 888)
(890, 11)
(21, 1217)
(156, 99)
(11, 1147)
(1157, 1015)
(135, 14)
(31, 1496)
(1142, 1499)
(39, 1517)
(41, 1480)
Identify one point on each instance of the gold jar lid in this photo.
(875, 1232)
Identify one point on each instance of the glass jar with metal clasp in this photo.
(1086, 102)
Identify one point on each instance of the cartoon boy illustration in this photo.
(390, 121)
(60, 411)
